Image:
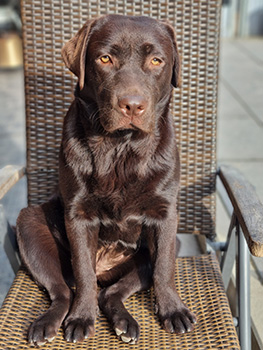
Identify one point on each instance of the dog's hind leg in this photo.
(40, 237)
(139, 277)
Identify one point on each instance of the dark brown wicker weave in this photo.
(47, 25)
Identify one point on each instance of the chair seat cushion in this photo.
(198, 280)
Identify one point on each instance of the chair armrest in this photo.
(9, 176)
(247, 207)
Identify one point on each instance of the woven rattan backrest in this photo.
(48, 24)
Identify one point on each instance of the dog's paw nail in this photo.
(133, 342)
(40, 343)
(118, 331)
(50, 339)
(125, 339)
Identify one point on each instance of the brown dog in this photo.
(114, 219)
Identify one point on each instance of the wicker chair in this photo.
(49, 87)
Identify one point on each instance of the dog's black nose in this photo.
(132, 105)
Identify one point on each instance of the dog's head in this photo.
(126, 65)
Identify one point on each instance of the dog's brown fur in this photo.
(114, 219)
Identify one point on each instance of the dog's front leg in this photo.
(83, 238)
(174, 315)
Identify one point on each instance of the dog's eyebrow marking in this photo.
(148, 48)
(116, 48)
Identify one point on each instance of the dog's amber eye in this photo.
(156, 61)
(105, 59)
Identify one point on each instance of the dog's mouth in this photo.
(115, 122)
(128, 128)
(121, 133)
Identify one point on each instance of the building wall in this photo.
(242, 18)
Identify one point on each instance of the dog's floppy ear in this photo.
(74, 52)
(176, 77)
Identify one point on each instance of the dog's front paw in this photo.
(126, 328)
(78, 329)
(44, 329)
(178, 321)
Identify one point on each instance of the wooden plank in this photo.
(9, 176)
(247, 207)
(257, 261)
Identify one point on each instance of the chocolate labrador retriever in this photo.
(114, 219)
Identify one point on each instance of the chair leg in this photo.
(228, 258)
(244, 292)
(8, 239)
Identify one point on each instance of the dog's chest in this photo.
(121, 194)
(120, 215)
(127, 232)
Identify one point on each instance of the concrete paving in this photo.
(12, 151)
(240, 136)
(240, 112)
